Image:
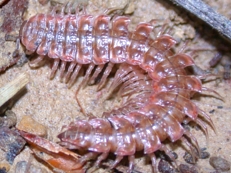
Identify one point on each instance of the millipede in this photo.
(147, 74)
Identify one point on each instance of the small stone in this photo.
(164, 156)
(186, 126)
(187, 169)
(188, 158)
(29, 125)
(11, 143)
(219, 163)
(22, 167)
(164, 167)
(175, 155)
(204, 155)
(212, 111)
(9, 120)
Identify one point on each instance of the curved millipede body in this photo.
(153, 79)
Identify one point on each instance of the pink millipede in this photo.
(150, 74)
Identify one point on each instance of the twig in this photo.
(208, 15)
(11, 88)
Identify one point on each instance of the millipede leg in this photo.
(207, 118)
(191, 137)
(79, 103)
(162, 29)
(74, 75)
(211, 90)
(204, 128)
(54, 9)
(86, 77)
(105, 75)
(102, 157)
(54, 68)
(169, 154)
(66, 5)
(88, 156)
(120, 77)
(118, 159)
(192, 149)
(36, 62)
(96, 73)
(153, 159)
(62, 70)
(69, 71)
(132, 80)
(131, 162)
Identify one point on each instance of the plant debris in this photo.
(11, 19)
(13, 87)
(11, 143)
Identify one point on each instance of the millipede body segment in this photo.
(151, 78)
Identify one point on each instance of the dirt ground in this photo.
(52, 104)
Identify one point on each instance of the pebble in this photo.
(186, 126)
(11, 143)
(164, 156)
(204, 155)
(22, 167)
(28, 124)
(187, 169)
(9, 120)
(189, 158)
(212, 111)
(164, 167)
(219, 163)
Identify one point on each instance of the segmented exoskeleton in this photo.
(154, 78)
